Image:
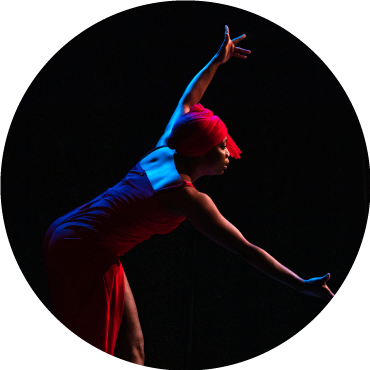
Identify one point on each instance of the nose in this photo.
(227, 153)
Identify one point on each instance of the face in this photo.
(217, 159)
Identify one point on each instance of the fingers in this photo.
(235, 41)
(329, 296)
(328, 293)
(240, 53)
(240, 56)
(235, 51)
(326, 277)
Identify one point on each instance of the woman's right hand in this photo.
(229, 50)
(317, 287)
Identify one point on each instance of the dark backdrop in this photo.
(300, 190)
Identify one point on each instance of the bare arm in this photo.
(191, 96)
(204, 215)
(200, 82)
(198, 85)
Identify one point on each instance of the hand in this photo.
(228, 48)
(317, 287)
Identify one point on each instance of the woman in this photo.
(90, 292)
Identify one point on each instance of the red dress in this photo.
(86, 278)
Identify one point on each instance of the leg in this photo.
(130, 341)
(86, 283)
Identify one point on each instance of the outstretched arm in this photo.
(200, 82)
(200, 210)
(198, 85)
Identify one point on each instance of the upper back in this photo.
(159, 166)
(160, 169)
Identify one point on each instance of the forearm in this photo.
(199, 83)
(204, 215)
(264, 262)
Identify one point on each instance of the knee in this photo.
(137, 350)
(131, 349)
(137, 346)
(136, 343)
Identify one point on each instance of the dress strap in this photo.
(188, 183)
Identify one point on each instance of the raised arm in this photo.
(200, 210)
(198, 85)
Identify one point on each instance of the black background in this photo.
(299, 191)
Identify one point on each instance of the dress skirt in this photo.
(86, 283)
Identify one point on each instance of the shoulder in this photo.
(187, 202)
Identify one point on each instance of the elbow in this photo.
(232, 239)
(244, 250)
(249, 252)
(186, 105)
(189, 99)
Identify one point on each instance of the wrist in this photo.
(216, 60)
(300, 285)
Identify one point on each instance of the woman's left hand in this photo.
(229, 50)
(317, 287)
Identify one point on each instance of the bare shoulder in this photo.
(187, 202)
(203, 214)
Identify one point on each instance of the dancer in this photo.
(89, 289)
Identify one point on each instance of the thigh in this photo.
(86, 283)
(130, 336)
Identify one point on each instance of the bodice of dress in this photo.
(124, 215)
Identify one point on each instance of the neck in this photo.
(188, 168)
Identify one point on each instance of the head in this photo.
(201, 138)
(212, 162)
(197, 131)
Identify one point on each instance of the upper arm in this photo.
(179, 111)
(202, 213)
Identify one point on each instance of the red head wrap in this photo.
(197, 131)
